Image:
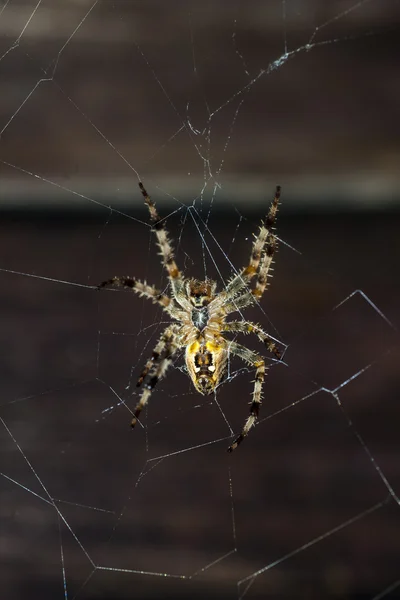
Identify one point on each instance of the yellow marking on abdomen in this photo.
(213, 347)
(194, 348)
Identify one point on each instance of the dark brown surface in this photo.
(303, 472)
(181, 92)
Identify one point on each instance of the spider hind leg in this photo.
(258, 362)
(155, 371)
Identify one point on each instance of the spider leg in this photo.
(248, 327)
(265, 267)
(237, 303)
(141, 288)
(167, 344)
(167, 253)
(264, 238)
(161, 345)
(257, 361)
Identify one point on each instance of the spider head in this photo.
(200, 293)
(206, 364)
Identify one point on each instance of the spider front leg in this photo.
(167, 345)
(243, 301)
(143, 289)
(166, 250)
(257, 361)
(262, 252)
(248, 327)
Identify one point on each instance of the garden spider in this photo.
(201, 315)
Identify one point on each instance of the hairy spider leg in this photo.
(248, 327)
(264, 238)
(166, 250)
(162, 343)
(265, 265)
(229, 306)
(141, 288)
(255, 360)
(167, 344)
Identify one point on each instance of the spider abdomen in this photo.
(205, 362)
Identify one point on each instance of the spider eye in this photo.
(200, 300)
(200, 293)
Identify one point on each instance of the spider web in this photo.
(210, 105)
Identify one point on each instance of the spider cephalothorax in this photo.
(200, 294)
(199, 316)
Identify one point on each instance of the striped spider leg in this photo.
(166, 346)
(141, 288)
(248, 327)
(261, 257)
(237, 296)
(257, 361)
(166, 251)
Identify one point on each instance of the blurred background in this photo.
(211, 104)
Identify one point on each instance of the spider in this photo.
(200, 312)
